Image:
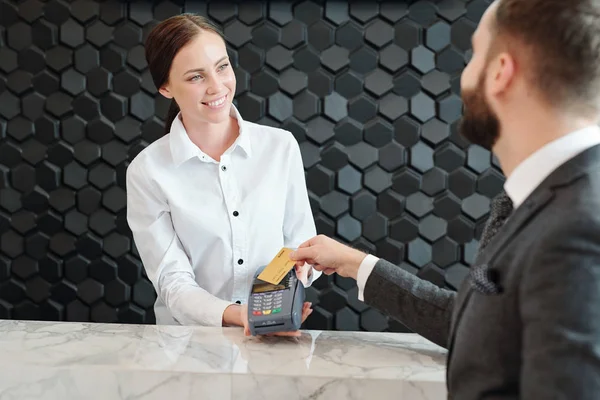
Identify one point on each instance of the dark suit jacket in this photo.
(539, 338)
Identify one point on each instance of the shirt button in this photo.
(240, 261)
(223, 168)
(235, 213)
(238, 302)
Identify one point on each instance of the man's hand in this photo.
(329, 256)
(306, 311)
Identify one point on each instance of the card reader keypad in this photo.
(267, 303)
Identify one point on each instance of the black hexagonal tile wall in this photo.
(371, 91)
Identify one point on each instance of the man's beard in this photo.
(479, 125)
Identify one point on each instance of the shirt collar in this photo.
(183, 149)
(531, 172)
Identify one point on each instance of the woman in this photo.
(216, 197)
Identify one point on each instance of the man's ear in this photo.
(501, 73)
(165, 92)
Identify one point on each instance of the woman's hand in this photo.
(306, 311)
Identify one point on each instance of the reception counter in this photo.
(63, 360)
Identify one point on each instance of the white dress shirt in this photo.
(202, 227)
(528, 175)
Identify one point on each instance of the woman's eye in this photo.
(195, 77)
(222, 67)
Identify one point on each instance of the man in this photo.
(526, 322)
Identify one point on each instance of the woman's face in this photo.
(201, 79)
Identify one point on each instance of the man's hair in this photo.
(561, 42)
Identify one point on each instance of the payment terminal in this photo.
(275, 308)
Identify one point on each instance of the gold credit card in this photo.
(278, 268)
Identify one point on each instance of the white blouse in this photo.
(202, 227)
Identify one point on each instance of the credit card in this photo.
(278, 268)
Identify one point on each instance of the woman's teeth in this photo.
(216, 103)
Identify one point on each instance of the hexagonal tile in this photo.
(438, 36)
(461, 182)
(421, 157)
(434, 182)
(306, 106)
(280, 107)
(24, 267)
(422, 59)
(461, 33)
(479, 159)
(36, 200)
(419, 204)
(320, 180)
(143, 293)
(362, 109)
(445, 252)
(375, 227)
(279, 58)
(450, 9)
(264, 83)
(99, 81)
(392, 156)
(422, 107)
(62, 243)
(293, 34)
(348, 228)
(265, 36)
(8, 60)
(31, 60)
(447, 206)
(436, 82)
(320, 130)
(362, 155)
(335, 58)
(461, 230)
(11, 244)
(393, 58)
(379, 33)
(113, 58)
(305, 59)
(432, 228)
(393, 107)
(378, 82)
(33, 152)
(349, 36)
(128, 35)
(419, 252)
(308, 12)
(102, 176)
(450, 108)
(335, 107)
(490, 183)
(390, 204)
(126, 83)
(335, 204)
(348, 84)
(320, 82)
(364, 204)
(293, 81)
(363, 60)
(475, 10)
(86, 59)
(9, 105)
(23, 178)
(378, 133)
(406, 182)
(435, 131)
(71, 33)
(20, 128)
(364, 11)
(450, 61)
(19, 82)
(142, 106)
(378, 180)
(433, 274)
(73, 82)
(19, 36)
(32, 107)
(349, 179)
(114, 199)
(476, 206)
(407, 84)
(36, 245)
(48, 176)
(407, 34)
(449, 157)
(116, 245)
(320, 35)
(23, 221)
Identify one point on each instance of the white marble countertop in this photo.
(63, 360)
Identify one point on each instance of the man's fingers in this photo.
(306, 254)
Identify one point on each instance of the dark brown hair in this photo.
(561, 42)
(164, 42)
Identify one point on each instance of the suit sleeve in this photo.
(419, 304)
(560, 310)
